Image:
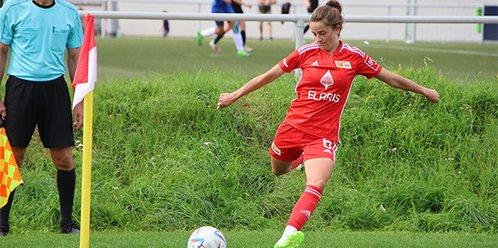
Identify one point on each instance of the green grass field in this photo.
(409, 173)
(258, 239)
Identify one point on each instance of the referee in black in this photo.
(37, 34)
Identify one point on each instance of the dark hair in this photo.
(330, 14)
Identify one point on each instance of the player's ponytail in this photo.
(330, 14)
(335, 4)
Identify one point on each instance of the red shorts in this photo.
(290, 143)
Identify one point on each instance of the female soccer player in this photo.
(310, 131)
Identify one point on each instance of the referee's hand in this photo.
(3, 110)
(78, 115)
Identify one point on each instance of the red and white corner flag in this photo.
(83, 84)
(86, 70)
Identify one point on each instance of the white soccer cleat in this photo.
(214, 46)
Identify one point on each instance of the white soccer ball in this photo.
(207, 237)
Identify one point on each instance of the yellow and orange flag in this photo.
(10, 176)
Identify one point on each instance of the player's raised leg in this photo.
(318, 172)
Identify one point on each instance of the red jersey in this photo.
(324, 86)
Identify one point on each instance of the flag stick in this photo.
(86, 177)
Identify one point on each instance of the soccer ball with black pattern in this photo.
(207, 237)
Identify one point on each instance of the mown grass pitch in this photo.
(166, 161)
(138, 57)
(258, 239)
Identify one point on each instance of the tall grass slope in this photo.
(164, 158)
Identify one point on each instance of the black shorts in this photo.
(43, 104)
(237, 8)
(264, 9)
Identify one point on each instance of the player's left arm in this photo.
(400, 82)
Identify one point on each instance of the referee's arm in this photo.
(72, 61)
(4, 50)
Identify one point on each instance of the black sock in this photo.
(5, 212)
(243, 33)
(306, 29)
(65, 184)
(218, 38)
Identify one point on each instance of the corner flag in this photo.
(83, 84)
(86, 70)
(10, 176)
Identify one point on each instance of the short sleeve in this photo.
(368, 67)
(290, 62)
(6, 28)
(76, 33)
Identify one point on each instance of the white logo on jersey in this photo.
(343, 64)
(327, 80)
(371, 63)
(315, 64)
(323, 96)
(285, 62)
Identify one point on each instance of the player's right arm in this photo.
(228, 98)
(4, 50)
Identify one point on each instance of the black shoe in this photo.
(4, 231)
(70, 228)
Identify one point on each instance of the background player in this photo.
(222, 6)
(264, 7)
(237, 8)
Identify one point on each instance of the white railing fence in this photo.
(387, 31)
(298, 19)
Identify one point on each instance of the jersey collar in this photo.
(337, 50)
(44, 7)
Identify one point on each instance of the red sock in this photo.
(297, 162)
(305, 206)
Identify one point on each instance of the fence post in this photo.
(389, 13)
(415, 8)
(299, 39)
(113, 24)
(199, 10)
(410, 27)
